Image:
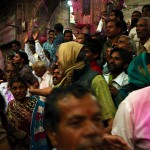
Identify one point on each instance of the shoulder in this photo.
(138, 98)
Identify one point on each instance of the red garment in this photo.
(94, 66)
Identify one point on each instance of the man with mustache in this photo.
(73, 121)
(117, 65)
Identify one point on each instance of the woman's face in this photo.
(61, 69)
(19, 90)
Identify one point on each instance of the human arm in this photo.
(103, 95)
(28, 51)
(39, 51)
(41, 92)
(114, 142)
(27, 74)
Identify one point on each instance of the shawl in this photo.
(138, 71)
(67, 54)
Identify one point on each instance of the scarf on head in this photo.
(138, 72)
(68, 53)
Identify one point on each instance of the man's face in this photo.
(17, 59)
(135, 15)
(123, 43)
(146, 12)
(51, 35)
(142, 29)
(89, 54)
(15, 47)
(80, 125)
(111, 29)
(10, 72)
(80, 39)
(112, 16)
(56, 76)
(68, 37)
(115, 63)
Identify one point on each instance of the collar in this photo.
(120, 78)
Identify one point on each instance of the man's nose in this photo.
(90, 129)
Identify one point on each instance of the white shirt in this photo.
(32, 57)
(121, 80)
(46, 81)
(6, 92)
(132, 120)
(40, 52)
(133, 35)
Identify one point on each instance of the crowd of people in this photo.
(88, 93)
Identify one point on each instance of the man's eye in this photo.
(75, 123)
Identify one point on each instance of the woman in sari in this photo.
(19, 114)
(139, 76)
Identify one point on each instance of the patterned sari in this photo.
(19, 117)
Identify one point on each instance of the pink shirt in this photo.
(132, 120)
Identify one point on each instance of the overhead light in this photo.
(69, 3)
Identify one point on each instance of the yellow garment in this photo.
(68, 53)
(99, 85)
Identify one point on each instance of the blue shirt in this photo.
(50, 48)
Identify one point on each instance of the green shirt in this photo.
(101, 89)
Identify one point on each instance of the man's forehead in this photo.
(73, 102)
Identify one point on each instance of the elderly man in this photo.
(45, 77)
(143, 33)
(73, 121)
(125, 42)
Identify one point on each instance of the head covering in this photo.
(68, 53)
(138, 72)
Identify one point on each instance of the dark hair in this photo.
(86, 36)
(136, 11)
(94, 46)
(24, 56)
(67, 31)
(31, 41)
(13, 65)
(118, 13)
(50, 31)
(120, 24)
(125, 55)
(81, 55)
(134, 22)
(47, 53)
(17, 43)
(17, 79)
(52, 112)
(58, 27)
(10, 57)
(146, 6)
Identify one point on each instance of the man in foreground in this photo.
(73, 121)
